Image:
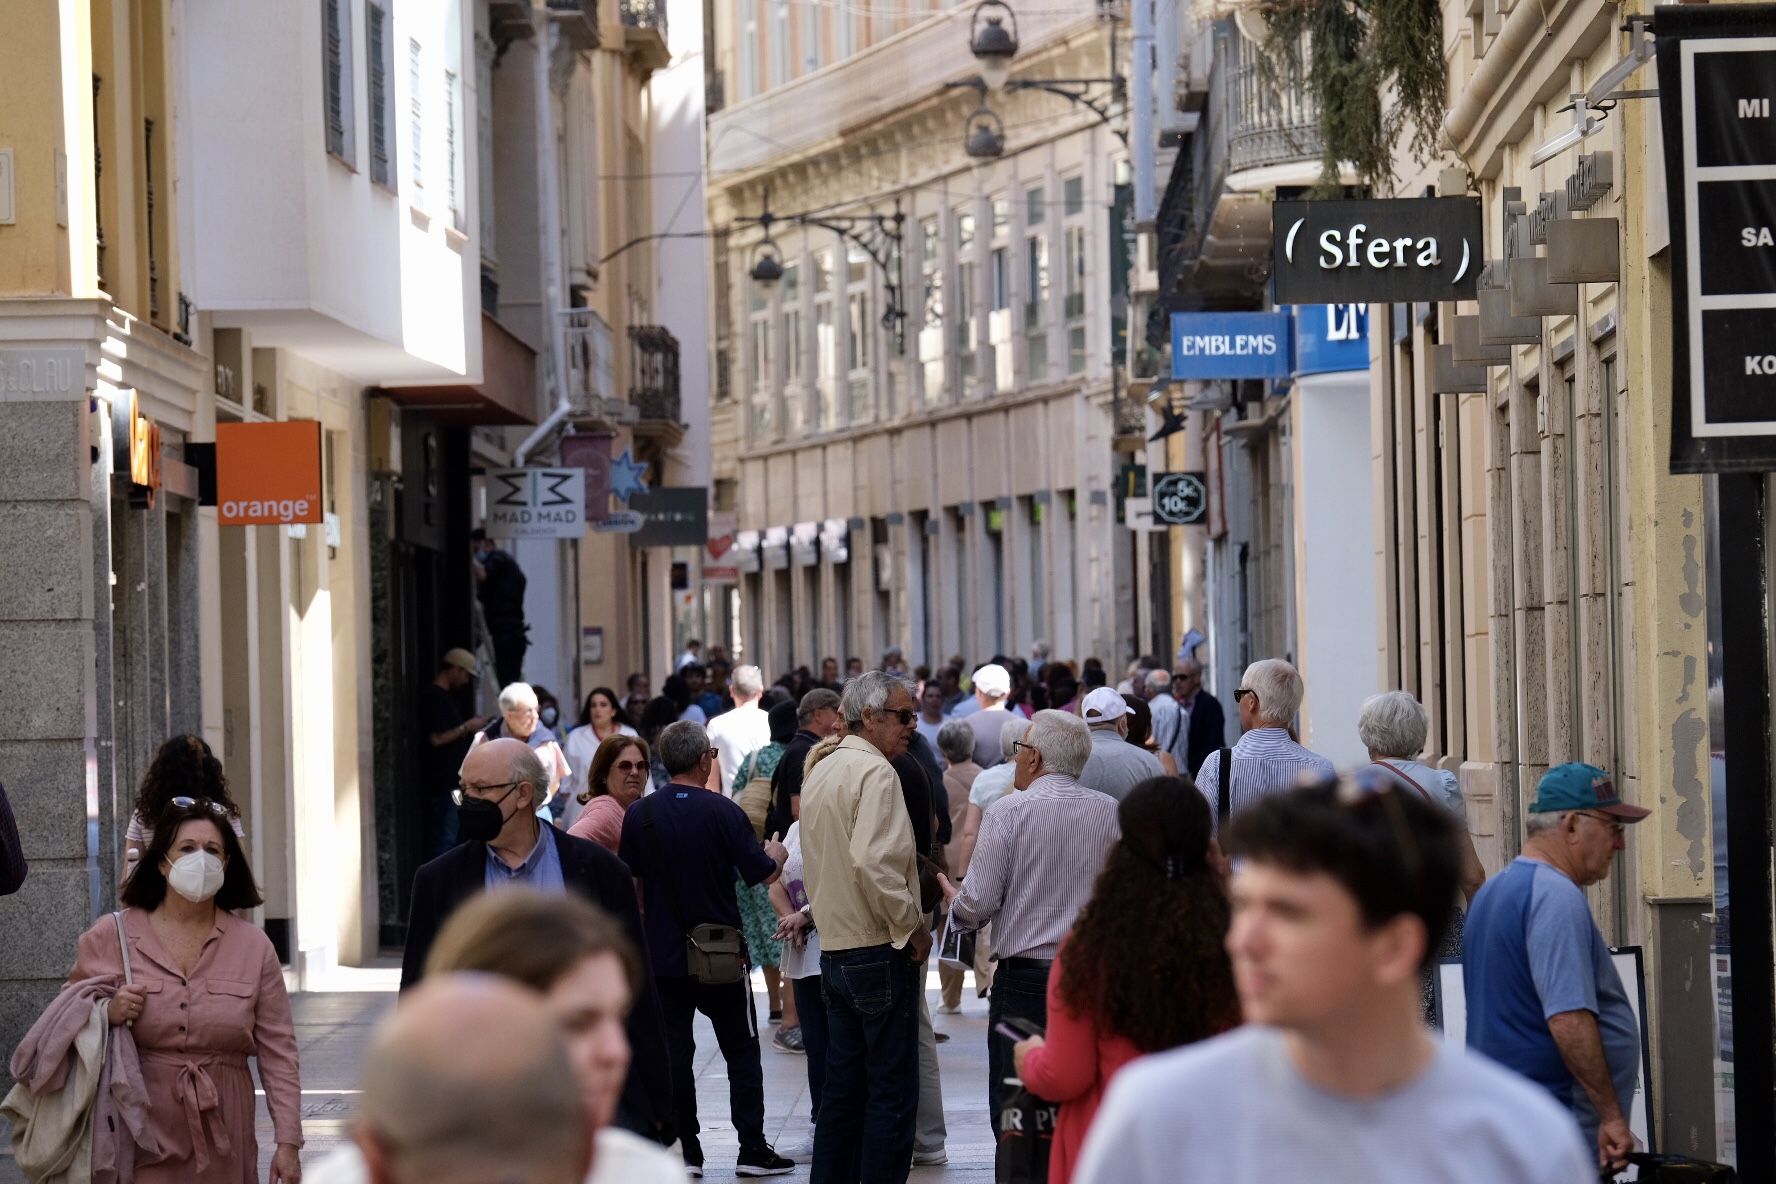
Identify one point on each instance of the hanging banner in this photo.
(536, 503)
(1230, 345)
(268, 474)
(591, 451)
(1376, 250)
(1717, 87)
(1331, 338)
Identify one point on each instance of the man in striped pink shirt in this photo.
(1032, 870)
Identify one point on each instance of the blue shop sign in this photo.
(1330, 337)
(1210, 345)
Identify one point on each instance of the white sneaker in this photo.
(802, 1150)
(925, 1159)
(947, 1009)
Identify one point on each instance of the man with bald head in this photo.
(505, 844)
(468, 1082)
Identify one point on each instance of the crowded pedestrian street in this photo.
(866, 591)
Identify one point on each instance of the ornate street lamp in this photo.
(879, 236)
(985, 138)
(992, 44)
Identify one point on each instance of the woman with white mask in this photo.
(205, 993)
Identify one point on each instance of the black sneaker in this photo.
(693, 1156)
(762, 1161)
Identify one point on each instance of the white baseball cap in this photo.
(993, 681)
(1103, 705)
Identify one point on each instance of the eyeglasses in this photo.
(1018, 746)
(480, 791)
(1242, 693)
(629, 766)
(182, 802)
(1615, 825)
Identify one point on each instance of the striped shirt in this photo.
(1265, 761)
(1033, 868)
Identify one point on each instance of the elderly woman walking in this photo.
(519, 720)
(756, 912)
(955, 740)
(617, 780)
(1393, 726)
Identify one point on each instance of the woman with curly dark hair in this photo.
(183, 768)
(1144, 968)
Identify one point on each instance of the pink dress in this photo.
(195, 1035)
(601, 821)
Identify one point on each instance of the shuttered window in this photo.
(416, 106)
(451, 163)
(337, 76)
(377, 64)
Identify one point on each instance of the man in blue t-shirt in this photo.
(1542, 995)
(687, 844)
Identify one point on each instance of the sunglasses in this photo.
(182, 802)
(629, 766)
(1357, 796)
(1242, 693)
(906, 716)
(462, 792)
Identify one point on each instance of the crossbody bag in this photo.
(715, 954)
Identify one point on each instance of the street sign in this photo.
(1376, 250)
(536, 503)
(1331, 338)
(1231, 345)
(1717, 79)
(1180, 499)
(672, 517)
(618, 522)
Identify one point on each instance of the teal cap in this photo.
(1578, 786)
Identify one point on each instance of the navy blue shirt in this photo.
(687, 861)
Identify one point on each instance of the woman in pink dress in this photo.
(208, 994)
(616, 781)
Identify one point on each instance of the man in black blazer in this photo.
(506, 774)
(1208, 723)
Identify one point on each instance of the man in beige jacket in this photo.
(863, 887)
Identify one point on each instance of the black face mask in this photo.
(479, 820)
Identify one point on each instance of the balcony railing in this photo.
(1271, 116)
(653, 374)
(644, 14)
(591, 369)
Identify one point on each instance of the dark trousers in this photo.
(509, 645)
(1020, 989)
(444, 834)
(870, 1104)
(811, 1014)
(729, 1008)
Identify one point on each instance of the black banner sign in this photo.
(1717, 83)
(1376, 250)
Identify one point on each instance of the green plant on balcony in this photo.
(1353, 53)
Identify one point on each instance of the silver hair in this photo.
(1187, 666)
(1393, 724)
(681, 746)
(526, 765)
(1009, 735)
(517, 694)
(747, 681)
(1063, 740)
(1535, 824)
(869, 691)
(1279, 688)
(956, 741)
(1158, 680)
(813, 701)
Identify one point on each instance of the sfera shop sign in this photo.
(135, 449)
(1376, 251)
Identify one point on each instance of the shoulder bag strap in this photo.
(1403, 775)
(1224, 804)
(123, 948)
(672, 902)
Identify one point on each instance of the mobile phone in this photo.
(1011, 1033)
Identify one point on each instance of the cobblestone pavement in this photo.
(333, 1026)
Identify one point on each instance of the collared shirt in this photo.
(1038, 856)
(1116, 766)
(541, 869)
(1265, 761)
(736, 735)
(1168, 721)
(862, 870)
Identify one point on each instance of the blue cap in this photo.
(1578, 786)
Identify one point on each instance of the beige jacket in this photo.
(862, 869)
(52, 1128)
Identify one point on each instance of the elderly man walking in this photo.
(992, 686)
(1543, 996)
(1116, 766)
(1205, 724)
(1169, 719)
(1040, 852)
(862, 874)
(1267, 759)
(686, 846)
(739, 733)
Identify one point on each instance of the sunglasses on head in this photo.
(184, 802)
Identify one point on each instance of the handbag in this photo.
(1678, 1169)
(715, 954)
(1026, 1130)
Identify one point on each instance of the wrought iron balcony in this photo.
(578, 21)
(644, 14)
(1272, 118)
(653, 374)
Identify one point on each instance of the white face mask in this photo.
(196, 877)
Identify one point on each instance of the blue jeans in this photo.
(1020, 989)
(869, 1107)
(444, 836)
(811, 1014)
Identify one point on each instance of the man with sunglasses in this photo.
(1543, 997)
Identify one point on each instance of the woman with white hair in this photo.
(518, 720)
(1393, 726)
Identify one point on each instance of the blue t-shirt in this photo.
(1531, 951)
(704, 840)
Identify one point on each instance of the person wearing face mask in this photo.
(506, 846)
(207, 994)
(521, 718)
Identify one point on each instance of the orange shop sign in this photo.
(268, 474)
(135, 443)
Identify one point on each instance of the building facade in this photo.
(916, 427)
